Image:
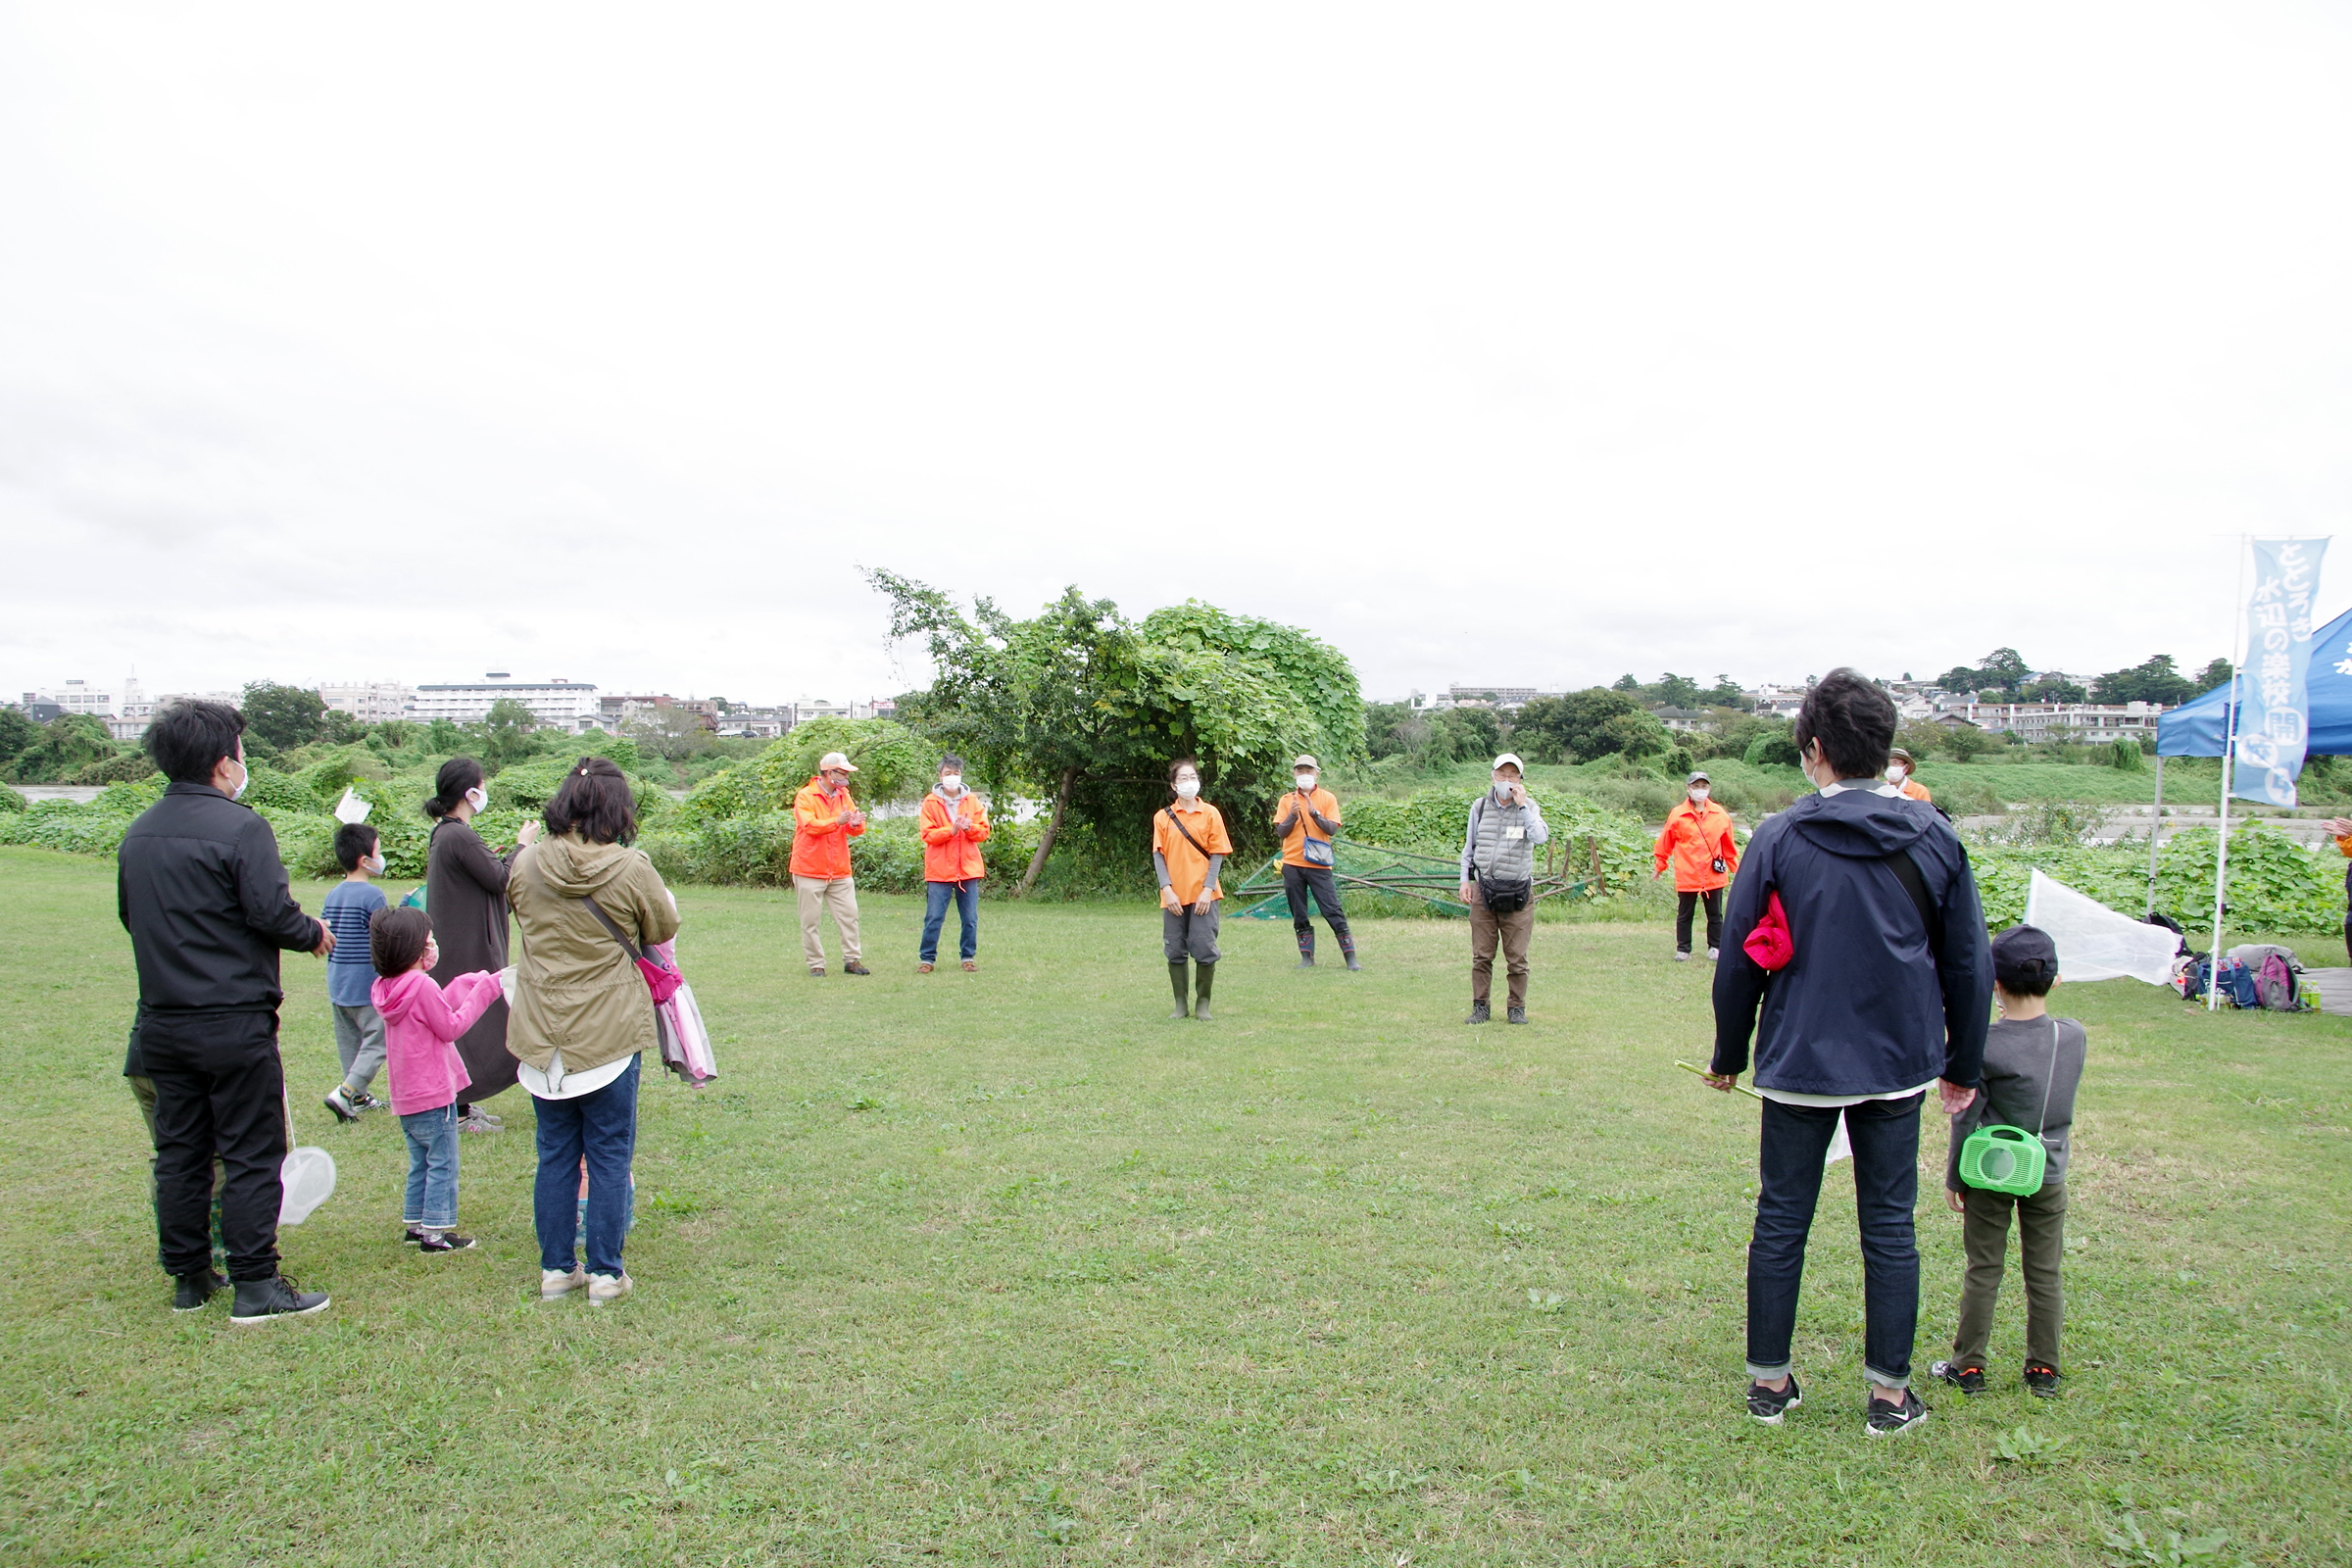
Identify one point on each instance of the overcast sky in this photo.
(1492, 344)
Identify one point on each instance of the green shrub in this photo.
(119, 768)
(11, 801)
(2274, 885)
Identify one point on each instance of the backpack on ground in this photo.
(2189, 973)
(2235, 982)
(2275, 985)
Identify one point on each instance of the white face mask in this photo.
(1895, 772)
(951, 783)
(479, 797)
(1187, 788)
(244, 777)
(1504, 786)
(1305, 781)
(373, 865)
(1699, 793)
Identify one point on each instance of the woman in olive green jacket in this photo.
(581, 1015)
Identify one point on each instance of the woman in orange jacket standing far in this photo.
(954, 826)
(1697, 843)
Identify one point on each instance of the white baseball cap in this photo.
(1511, 758)
(1306, 759)
(834, 760)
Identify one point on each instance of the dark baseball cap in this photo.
(2024, 954)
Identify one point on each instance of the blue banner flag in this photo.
(2273, 722)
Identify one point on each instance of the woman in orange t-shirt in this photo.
(1189, 847)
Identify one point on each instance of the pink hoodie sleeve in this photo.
(456, 1007)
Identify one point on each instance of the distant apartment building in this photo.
(569, 706)
(1687, 720)
(95, 698)
(1505, 698)
(370, 702)
(2055, 721)
(755, 723)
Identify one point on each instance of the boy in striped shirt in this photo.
(358, 1032)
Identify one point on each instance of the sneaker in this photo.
(1969, 1380)
(971, 967)
(367, 1102)
(1713, 954)
(414, 1234)
(339, 1102)
(1480, 1012)
(1887, 1419)
(2041, 1380)
(1514, 1016)
(924, 967)
(443, 1242)
(1679, 957)
(606, 1289)
(477, 1122)
(1768, 1408)
(817, 974)
(555, 1283)
(266, 1301)
(191, 1291)
(850, 967)
(497, 1123)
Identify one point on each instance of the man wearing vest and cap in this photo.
(1309, 819)
(823, 821)
(1498, 873)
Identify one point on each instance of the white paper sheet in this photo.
(2095, 942)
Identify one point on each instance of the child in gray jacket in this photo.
(2032, 1064)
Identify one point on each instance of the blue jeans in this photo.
(1885, 1134)
(967, 917)
(602, 1126)
(432, 1199)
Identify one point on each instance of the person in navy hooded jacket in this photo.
(1884, 997)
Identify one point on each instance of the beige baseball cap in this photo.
(1511, 758)
(834, 760)
(1306, 759)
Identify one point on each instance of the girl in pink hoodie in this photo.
(421, 1065)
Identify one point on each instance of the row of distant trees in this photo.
(2004, 676)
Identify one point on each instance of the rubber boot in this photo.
(1176, 979)
(1348, 950)
(1306, 948)
(1206, 974)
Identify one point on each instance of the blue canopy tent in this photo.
(2200, 727)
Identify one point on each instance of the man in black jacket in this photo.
(201, 889)
(1884, 997)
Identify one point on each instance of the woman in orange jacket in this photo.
(1697, 842)
(954, 826)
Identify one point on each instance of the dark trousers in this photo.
(1183, 934)
(2041, 1240)
(603, 1127)
(1684, 905)
(966, 898)
(1885, 1134)
(1510, 933)
(219, 1091)
(1298, 884)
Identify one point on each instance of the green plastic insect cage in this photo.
(2003, 1159)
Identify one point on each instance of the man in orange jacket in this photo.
(1697, 843)
(954, 826)
(1904, 774)
(823, 821)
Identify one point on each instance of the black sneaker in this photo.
(414, 1234)
(1515, 1015)
(1480, 1012)
(1887, 1419)
(192, 1290)
(1969, 1380)
(366, 1102)
(443, 1242)
(266, 1300)
(855, 968)
(2041, 1380)
(1768, 1406)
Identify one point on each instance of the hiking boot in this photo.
(555, 1284)
(266, 1301)
(338, 1101)
(855, 968)
(925, 967)
(1969, 1380)
(443, 1242)
(1179, 980)
(971, 967)
(1204, 975)
(1480, 1012)
(190, 1292)
(817, 974)
(606, 1289)
(1888, 1419)
(2041, 1380)
(1768, 1406)
(1514, 1016)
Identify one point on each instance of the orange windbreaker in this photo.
(1693, 836)
(952, 838)
(820, 840)
(1913, 789)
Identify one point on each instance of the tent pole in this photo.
(2221, 843)
(2155, 823)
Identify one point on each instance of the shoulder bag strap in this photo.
(1906, 871)
(607, 921)
(1187, 832)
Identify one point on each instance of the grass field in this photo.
(1008, 1267)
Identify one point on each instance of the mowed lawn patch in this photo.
(1009, 1267)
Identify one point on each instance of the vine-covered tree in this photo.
(1084, 705)
(282, 717)
(2153, 681)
